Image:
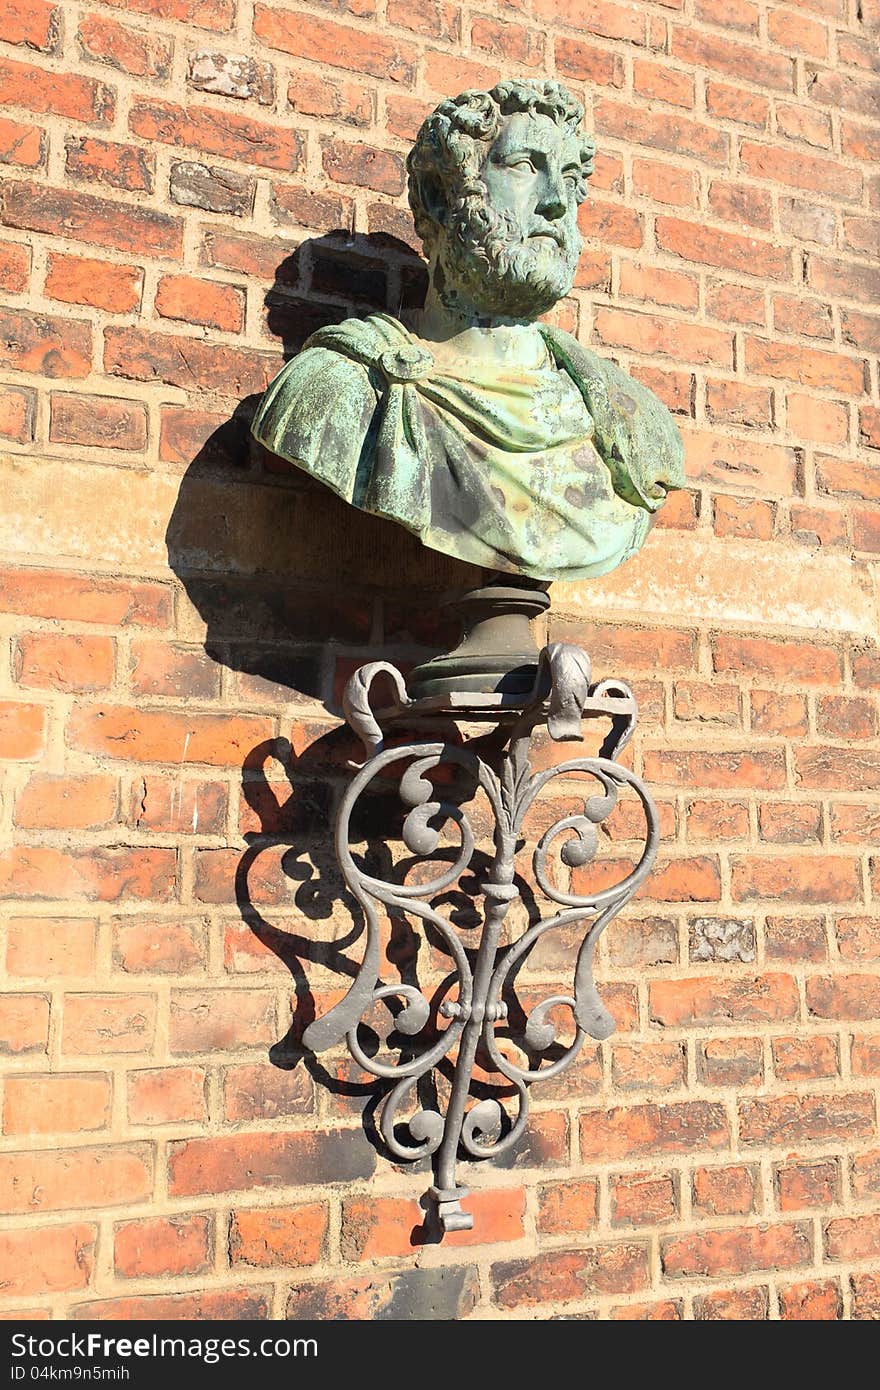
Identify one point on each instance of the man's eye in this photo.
(520, 164)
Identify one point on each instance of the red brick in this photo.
(738, 1251)
(866, 1296)
(564, 1207)
(663, 83)
(98, 421)
(737, 104)
(47, 661)
(364, 166)
(379, 1227)
(217, 15)
(117, 166)
(434, 18)
(130, 50)
(160, 668)
(169, 1095)
(731, 1191)
(188, 362)
(727, 250)
(844, 279)
(802, 1119)
(83, 801)
(647, 1066)
(17, 406)
(162, 736)
(444, 72)
(825, 422)
(24, 1023)
(650, 334)
(854, 824)
(101, 1177)
(806, 366)
(338, 101)
(161, 1245)
(733, 59)
(48, 92)
(813, 879)
(165, 805)
(234, 1304)
(790, 822)
(774, 713)
(652, 178)
(853, 1238)
(221, 1019)
(714, 820)
(738, 403)
(24, 145)
(518, 43)
(648, 1129)
(45, 947)
(102, 284)
(854, 997)
(588, 63)
(654, 284)
(264, 1092)
(707, 1000)
(108, 1023)
(324, 41)
(804, 1185)
(52, 1259)
(51, 347)
(234, 137)
(44, 593)
(245, 1161)
(667, 1310)
(865, 1173)
(858, 938)
(788, 662)
(733, 1305)
(152, 946)
(270, 1236)
(793, 169)
(15, 266)
(795, 939)
(679, 767)
(562, 1276)
(811, 1301)
(22, 731)
(737, 304)
(33, 24)
(731, 1062)
(794, 314)
(57, 1104)
(744, 517)
(662, 130)
(200, 301)
(818, 525)
(805, 1059)
(121, 226)
(643, 1199)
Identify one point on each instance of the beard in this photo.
(486, 259)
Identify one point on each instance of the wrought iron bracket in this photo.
(562, 697)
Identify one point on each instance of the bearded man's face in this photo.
(511, 247)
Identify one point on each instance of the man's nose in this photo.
(552, 202)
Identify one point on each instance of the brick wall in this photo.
(190, 187)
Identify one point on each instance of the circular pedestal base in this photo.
(496, 654)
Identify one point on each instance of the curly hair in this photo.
(447, 152)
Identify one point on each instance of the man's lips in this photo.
(550, 233)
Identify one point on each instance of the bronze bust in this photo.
(493, 437)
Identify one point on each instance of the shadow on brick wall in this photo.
(292, 590)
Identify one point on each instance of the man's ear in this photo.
(433, 196)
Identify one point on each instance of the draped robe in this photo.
(551, 472)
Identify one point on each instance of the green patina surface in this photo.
(550, 472)
(494, 438)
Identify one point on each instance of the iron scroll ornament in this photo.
(562, 697)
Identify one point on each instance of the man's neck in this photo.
(482, 337)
